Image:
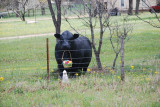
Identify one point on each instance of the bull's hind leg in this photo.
(85, 68)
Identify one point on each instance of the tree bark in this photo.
(122, 59)
(137, 7)
(130, 10)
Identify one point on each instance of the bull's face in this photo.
(66, 39)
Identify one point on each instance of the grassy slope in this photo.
(23, 66)
(45, 25)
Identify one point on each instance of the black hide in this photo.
(79, 48)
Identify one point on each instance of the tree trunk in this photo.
(84, 9)
(115, 59)
(122, 59)
(33, 12)
(8, 13)
(58, 4)
(28, 13)
(130, 10)
(98, 61)
(137, 7)
(43, 11)
(23, 17)
(17, 15)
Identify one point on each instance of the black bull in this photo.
(72, 47)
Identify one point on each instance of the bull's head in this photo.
(66, 39)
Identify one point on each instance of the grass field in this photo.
(23, 69)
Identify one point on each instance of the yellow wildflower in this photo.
(9, 82)
(109, 68)
(118, 77)
(76, 74)
(120, 62)
(150, 71)
(132, 67)
(148, 79)
(1, 78)
(156, 72)
(112, 71)
(88, 70)
(52, 71)
(40, 78)
(43, 68)
(144, 69)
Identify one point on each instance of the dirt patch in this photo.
(26, 36)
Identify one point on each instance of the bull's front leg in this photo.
(61, 69)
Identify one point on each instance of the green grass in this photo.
(23, 66)
(90, 90)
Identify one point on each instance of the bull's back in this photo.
(84, 45)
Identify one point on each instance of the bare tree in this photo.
(56, 20)
(115, 41)
(101, 19)
(3, 3)
(155, 24)
(130, 10)
(19, 8)
(43, 6)
(118, 34)
(116, 31)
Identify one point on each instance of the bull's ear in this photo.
(75, 36)
(57, 35)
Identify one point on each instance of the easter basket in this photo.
(67, 63)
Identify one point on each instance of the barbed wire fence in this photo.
(33, 61)
(27, 56)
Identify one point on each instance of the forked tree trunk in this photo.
(56, 20)
(97, 53)
(122, 59)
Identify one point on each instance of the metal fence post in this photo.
(47, 58)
